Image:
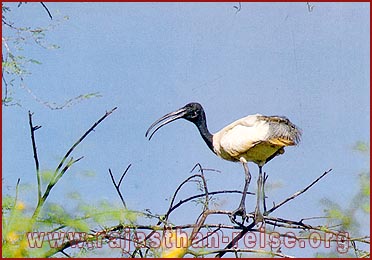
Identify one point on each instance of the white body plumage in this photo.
(255, 138)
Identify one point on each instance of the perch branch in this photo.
(235, 239)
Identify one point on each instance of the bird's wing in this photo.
(243, 134)
(255, 131)
(281, 130)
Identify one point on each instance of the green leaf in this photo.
(46, 176)
(74, 195)
(78, 225)
(366, 207)
(35, 61)
(8, 202)
(365, 184)
(361, 147)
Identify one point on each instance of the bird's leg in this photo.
(246, 184)
(265, 176)
(241, 209)
(258, 217)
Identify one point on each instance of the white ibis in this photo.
(254, 138)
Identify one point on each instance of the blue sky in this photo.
(151, 58)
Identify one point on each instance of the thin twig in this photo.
(34, 149)
(208, 235)
(309, 7)
(235, 250)
(296, 194)
(58, 172)
(203, 194)
(59, 175)
(67, 255)
(13, 209)
(83, 137)
(238, 8)
(206, 203)
(235, 239)
(204, 169)
(125, 173)
(181, 202)
(46, 8)
(171, 204)
(177, 190)
(275, 221)
(117, 186)
(201, 220)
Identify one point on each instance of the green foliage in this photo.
(55, 217)
(8, 203)
(45, 223)
(15, 63)
(346, 217)
(46, 176)
(106, 212)
(362, 147)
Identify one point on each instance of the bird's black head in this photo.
(192, 112)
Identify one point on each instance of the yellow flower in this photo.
(12, 237)
(174, 253)
(179, 245)
(20, 205)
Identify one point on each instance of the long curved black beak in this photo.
(165, 120)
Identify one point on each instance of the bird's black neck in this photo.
(201, 124)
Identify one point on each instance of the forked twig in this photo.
(117, 186)
(177, 190)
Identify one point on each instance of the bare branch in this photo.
(124, 173)
(236, 250)
(117, 186)
(310, 7)
(83, 137)
(34, 149)
(67, 166)
(46, 9)
(235, 239)
(201, 170)
(296, 194)
(13, 208)
(208, 235)
(178, 189)
(58, 172)
(203, 194)
(238, 7)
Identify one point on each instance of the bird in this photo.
(254, 138)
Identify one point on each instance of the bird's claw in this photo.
(238, 212)
(258, 217)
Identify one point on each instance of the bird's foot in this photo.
(258, 217)
(238, 212)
